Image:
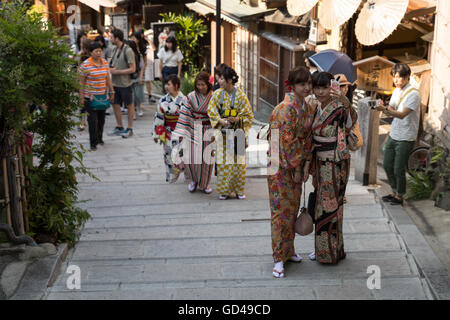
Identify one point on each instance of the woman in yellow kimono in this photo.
(229, 111)
(293, 119)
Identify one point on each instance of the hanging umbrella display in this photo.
(300, 7)
(334, 13)
(378, 19)
(335, 62)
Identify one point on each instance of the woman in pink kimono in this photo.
(292, 118)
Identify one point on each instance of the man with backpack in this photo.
(122, 66)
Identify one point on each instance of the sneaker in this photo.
(240, 196)
(396, 201)
(151, 100)
(116, 132)
(102, 143)
(127, 133)
(387, 198)
(140, 114)
(124, 110)
(312, 256)
(222, 197)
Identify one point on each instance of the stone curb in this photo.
(40, 274)
(63, 250)
(430, 267)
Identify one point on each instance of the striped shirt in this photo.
(95, 77)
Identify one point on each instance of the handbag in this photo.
(304, 224)
(99, 102)
(354, 138)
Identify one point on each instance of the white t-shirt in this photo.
(170, 59)
(405, 129)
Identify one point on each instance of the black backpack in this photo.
(137, 60)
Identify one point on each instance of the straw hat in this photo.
(342, 79)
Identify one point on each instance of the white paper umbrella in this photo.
(378, 19)
(300, 7)
(333, 13)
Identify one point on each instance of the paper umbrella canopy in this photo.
(378, 19)
(334, 13)
(300, 7)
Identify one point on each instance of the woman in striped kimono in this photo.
(229, 111)
(293, 119)
(333, 120)
(166, 117)
(194, 116)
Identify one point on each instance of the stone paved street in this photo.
(151, 240)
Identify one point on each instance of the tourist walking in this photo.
(230, 110)
(334, 118)
(138, 82)
(171, 58)
(122, 65)
(293, 119)
(194, 116)
(149, 74)
(404, 107)
(95, 80)
(166, 117)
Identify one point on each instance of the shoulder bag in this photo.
(99, 102)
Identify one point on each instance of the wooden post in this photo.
(22, 185)
(19, 192)
(218, 32)
(5, 181)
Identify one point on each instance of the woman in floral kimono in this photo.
(166, 118)
(194, 113)
(293, 119)
(333, 120)
(229, 109)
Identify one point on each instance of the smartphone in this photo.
(373, 104)
(334, 84)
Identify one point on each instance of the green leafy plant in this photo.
(188, 81)
(190, 30)
(36, 68)
(420, 185)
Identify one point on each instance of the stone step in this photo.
(226, 246)
(392, 288)
(216, 230)
(145, 217)
(256, 210)
(139, 194)
(153, 273)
